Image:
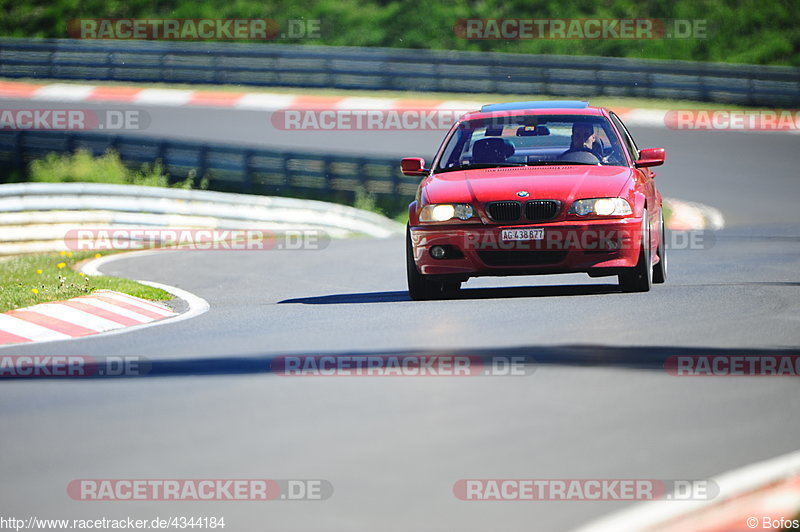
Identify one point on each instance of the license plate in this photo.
(523, 233)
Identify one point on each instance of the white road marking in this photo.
(163, 97)
(64, 93)
(265, 102)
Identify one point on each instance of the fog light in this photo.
(438, 252)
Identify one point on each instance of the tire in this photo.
(660, 269)
(640, 277)
(419, 287)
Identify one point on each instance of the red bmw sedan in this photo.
(535, 188)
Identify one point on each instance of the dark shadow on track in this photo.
(747, 283)
(648, 358)
(503, 293)
(464, 293)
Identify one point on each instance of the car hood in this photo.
(566, 183)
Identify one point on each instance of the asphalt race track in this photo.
(597, 405)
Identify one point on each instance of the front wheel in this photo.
(640, 277)
(420, 288)
(660, 269)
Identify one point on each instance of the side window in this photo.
(626, 136)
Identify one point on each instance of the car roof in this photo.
(539, 107)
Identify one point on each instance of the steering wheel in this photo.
(580, 155)
(599, 148)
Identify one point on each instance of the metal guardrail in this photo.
(35, 217)
(227, 168)
(397, 69)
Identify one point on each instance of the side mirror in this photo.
(413, 166)
(651, 157)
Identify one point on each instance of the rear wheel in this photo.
(420, 287)
(660, 269)
(640, 277)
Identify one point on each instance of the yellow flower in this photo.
(34, 290)
(61, 265)
(97, 255)
(69, 254)
(39, 271)
(81, 274)
(63, 253)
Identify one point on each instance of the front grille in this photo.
(504, 211)
(541, 210)
(521, 257)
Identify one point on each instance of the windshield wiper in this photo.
(478, 166)
(562, 163)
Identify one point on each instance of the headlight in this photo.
(601, 207)
(443, 212)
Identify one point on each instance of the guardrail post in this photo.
(19, 156)
(247, 162)
(51, 64)
(751, 91)
(161, 151)
(109, 65)
(395, 177)
(219, 67)
(162, 65)
(546, 80)
(598, 81)
(362, 174)
(287, 171)
(704, 94)
(202, 166)
(327, 163)
(70, 143)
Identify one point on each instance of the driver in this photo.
(583, 138)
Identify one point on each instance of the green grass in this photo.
(22, 284)
(83, 167)
(366, 201)
(612, 102)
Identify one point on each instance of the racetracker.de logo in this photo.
(208, 489)
(733, 120)
(585, 240)
(733, 365)
(400, 366)
(478, 29)
(73, 119)
(71, 366)
(107, 239)
(188, 29)
(366, 119)
(603, 489)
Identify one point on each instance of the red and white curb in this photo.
(102, 311)
(269, 101)
(260, 101)
(768, 489)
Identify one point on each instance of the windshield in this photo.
(532, 140)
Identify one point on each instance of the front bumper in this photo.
(597, 247)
